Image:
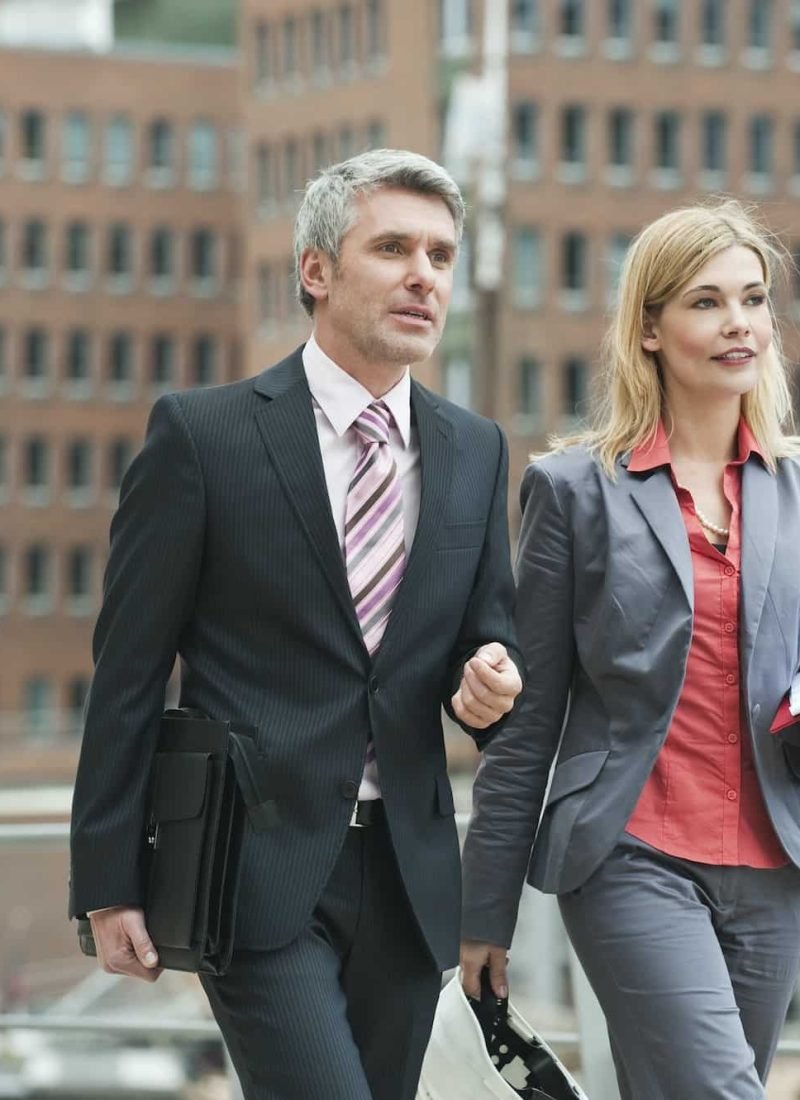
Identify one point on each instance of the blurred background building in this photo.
(152, 157)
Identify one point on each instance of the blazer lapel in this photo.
(759, 537)
(285, 419)
(655, 498)
(436, 464)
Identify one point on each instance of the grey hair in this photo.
(328, 208)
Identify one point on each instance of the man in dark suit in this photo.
(325, 548)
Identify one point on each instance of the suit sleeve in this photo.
(489, 612)
(156, 549)
(512, 779)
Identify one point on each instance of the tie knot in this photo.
(372, 425)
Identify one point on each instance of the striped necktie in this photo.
(374, 547)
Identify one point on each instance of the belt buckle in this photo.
(354, 822)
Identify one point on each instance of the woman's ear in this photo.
(650, 338)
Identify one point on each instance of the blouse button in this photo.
(729, 628)
(732, 738)
(732, 796)
(730, 678)
(729, 570)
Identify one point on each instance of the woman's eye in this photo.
(756, 299)
(704, 303)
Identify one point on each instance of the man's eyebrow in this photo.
(716, 289)
(446, 243)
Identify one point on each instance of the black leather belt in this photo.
(367, 813)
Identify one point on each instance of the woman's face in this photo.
(710, 339)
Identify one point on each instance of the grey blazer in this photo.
(604, 618)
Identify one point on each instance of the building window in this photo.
(79, 471)
(714, 141)
(203, 260)
(78, 366)
(376, 134)
(204, 361)
(761, 146)
(3, 360)
(79, 580)
(77, 696)
(573, 263)
(267, 295)
(347, 143)
(265, 69)
(75, 147)
(667, 141)
(666, 19)
(203, 156)
(76, 260)
(118, 168)
(525, 138)
(265, 177)
(523, 22)
(320, 43)
(119, 262)
(712, 23)
(620, 20)
(319, 152)
(3, 252)
(39, 713)
(162, 258)
(36, 362)
(36, 468)
(33, 142)
(457, 380)
(576, 387)
(289, 47)
(160, 152)
(529, 392)
(571, 19)
(3, 469)
(455, 26)
(347, 39)
(119, 459)
(618, 245)
(3, 140)
(120, 365)
(34, 251)
(527, 267)
(162, 362)
(376, 30)
(292, 174)
(5, 585)
(796, 149)
(794, 30)
(759, 24)
(573, 137)
(620, 138)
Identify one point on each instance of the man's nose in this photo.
(421, 272)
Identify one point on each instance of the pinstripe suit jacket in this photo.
(604, 615)
(224, 552)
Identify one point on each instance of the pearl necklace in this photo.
(723, 532)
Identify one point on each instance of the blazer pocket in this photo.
(461, 536)
(445, 807)
(575, 773)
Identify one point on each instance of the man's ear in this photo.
(650, 338)
(315, 273)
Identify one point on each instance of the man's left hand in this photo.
(489, 685)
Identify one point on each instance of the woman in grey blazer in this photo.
(659, 613)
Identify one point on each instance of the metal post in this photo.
(599, 1078)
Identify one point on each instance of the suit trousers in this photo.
(344, 1011)
(693, 965)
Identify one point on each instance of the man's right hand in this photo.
(474, 956)
(123, 945)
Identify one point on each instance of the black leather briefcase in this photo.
(206, 785)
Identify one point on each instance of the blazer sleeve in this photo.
(512, 779)
(489, 612)
(154, 562)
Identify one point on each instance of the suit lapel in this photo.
(436, 464)
(285, 419)
(655, 498)
(759, 536)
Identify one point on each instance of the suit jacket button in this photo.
(348, 788)
(373, 685)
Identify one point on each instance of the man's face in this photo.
(384, 303)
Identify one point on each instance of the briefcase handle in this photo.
(262, 811)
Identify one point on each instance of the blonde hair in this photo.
(661, 260)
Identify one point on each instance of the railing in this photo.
(186, 1031)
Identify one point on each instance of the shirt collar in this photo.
(342, 398)
(655, 452)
